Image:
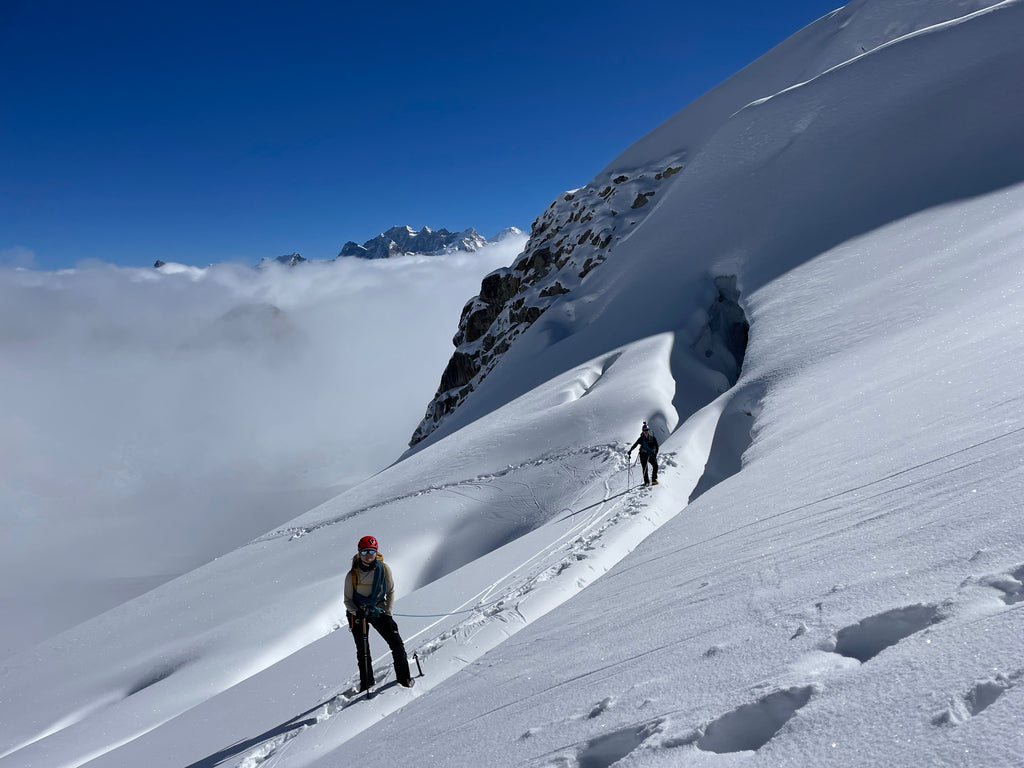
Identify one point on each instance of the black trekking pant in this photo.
(388, 629)
(649, 457)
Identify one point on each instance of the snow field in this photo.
(844, 588)
(849, 596)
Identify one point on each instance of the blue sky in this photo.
(212, 131)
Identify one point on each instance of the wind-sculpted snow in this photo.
(788, 171)
(551, 524)
(600, 453)
(844, 588)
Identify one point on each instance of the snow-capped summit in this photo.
(507, 233)
(176, 268)
(399, 241)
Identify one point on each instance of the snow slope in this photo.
(846, 592)
(861, 573)
(790, 171)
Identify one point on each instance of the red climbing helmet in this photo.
(367, 542)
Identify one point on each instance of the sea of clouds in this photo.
(154, 419)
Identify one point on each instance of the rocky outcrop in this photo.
(573, 237)
(399, 241)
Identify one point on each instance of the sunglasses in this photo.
(367, 551)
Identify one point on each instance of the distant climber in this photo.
(369, 598)
(648, 453)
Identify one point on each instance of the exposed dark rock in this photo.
(461, 369)
(528, 315)
(498, 287)
(352, 248)
(538, 260)
(589, 265)
(561, 250)
(479, 321)
(553, 290)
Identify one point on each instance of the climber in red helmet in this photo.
(369, 598)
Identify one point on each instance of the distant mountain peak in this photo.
(404, 240)
(288, 260)
(507, 233)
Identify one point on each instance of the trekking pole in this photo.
(416, 658)
(367, 671)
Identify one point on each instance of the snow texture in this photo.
(845, 587)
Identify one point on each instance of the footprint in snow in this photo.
(1011, 585)
(607, 749)
(869, 637)
(982, 695)
(751, 726)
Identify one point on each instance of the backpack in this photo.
(370, 605)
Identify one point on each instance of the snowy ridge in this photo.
(402, 241)
(803, 586)
(845, 146)
(181, 676)
(597, 453)
(836, 575)
(287, 260)
(795, 98)
(846, 34)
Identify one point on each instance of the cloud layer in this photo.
(207, 405)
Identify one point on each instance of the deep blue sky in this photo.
(213, 131)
